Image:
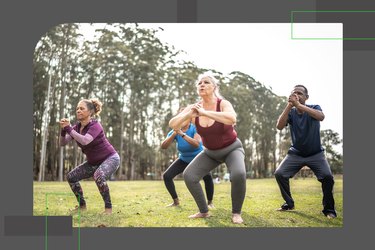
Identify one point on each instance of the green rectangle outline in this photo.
(46, 225)
(328, 11)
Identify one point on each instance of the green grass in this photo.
(143, 204)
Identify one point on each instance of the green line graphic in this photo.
(46, 219)
(327, 38)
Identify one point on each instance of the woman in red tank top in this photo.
(214, 118)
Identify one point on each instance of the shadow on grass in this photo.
(320, 218)
(223, 218)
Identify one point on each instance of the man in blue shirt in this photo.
(306, 149)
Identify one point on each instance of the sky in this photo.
(267, 53)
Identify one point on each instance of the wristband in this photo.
(68, 129)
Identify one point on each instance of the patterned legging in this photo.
(100, 173)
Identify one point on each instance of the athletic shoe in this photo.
(331, 215)
(285, 207)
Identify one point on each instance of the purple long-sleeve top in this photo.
(91, 140)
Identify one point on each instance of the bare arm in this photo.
(168, 141)
(227, 115)
(192, 141)
(283, 118)
(187, 114)
(314, 113)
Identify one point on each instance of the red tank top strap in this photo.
(218, 104)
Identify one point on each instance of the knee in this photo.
(238, 176)
(190, 177)
(328, 179)
(99, 176)
(167, 176)
(278, 174)
(70, 177)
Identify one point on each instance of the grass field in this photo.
(143, 204)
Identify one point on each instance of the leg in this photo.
(235, 162)
(102, 174)
(194, 172)
(177, 167)
(319, 165)
(80, 172)
(287, 169)
(209, 186)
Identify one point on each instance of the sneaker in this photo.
(285, 207)
(331, 215)
(211, 206)
(237, 219)
(173, 205)
(176, 202)
(199, 215)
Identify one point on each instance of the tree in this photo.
(329, 140)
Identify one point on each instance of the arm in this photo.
(192, 141)
(314, 113)
(227, 116)
(67, 129)
(168, 141)
(187, 114)
(64, 138)
(283, 118)
(81, 139)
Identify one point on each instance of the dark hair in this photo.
(301, 86)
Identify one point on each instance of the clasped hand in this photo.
(64, 122)
(197, 110)
(293, 100)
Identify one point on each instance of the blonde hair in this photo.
(212, 78)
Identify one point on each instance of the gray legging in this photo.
(234, 157)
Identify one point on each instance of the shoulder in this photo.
(314, 106)
(224, 103)
(95, 124)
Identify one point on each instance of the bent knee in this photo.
(167, 177)
(190, 177)
(70, 177)
(238, 176)
(327, 178)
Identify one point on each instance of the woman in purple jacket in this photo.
(102, 158)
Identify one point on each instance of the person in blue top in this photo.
(189, 145)
(306, 149)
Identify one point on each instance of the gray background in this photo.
(24, 22)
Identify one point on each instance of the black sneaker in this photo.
(285, 207)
